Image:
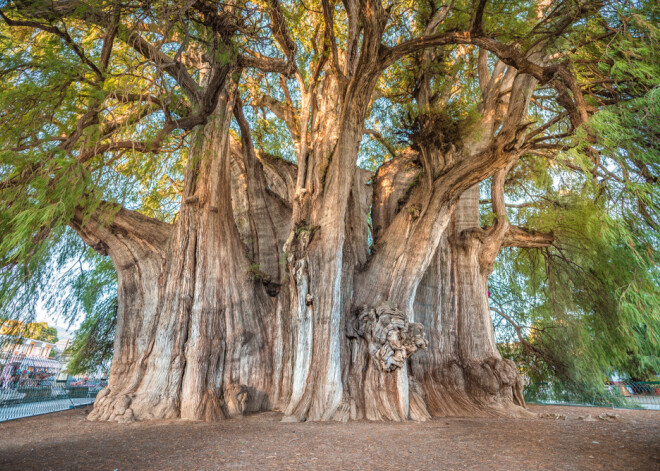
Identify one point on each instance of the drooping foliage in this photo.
(61, 112)
(587, 309)
(91, 350)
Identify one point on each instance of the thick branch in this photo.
(262, 212)
(111, 228)
(281, 31)
(510, 55)
(282, 111)
(172, 67)
(330, 35)
(518, 236)
(438, 18)
(477, 20)
(267, 64)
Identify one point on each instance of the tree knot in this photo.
(101, 247)
(391, 336)
(236, 398)
(301, 194)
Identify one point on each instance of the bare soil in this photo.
(66, 441)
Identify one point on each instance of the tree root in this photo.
(490, 387)
(234, 401)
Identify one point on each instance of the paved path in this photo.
(646, 402)
(19, 411)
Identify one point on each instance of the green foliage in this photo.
(589, 306)
(56, 111)
(92, 293)
(48, 334)
(92, 347)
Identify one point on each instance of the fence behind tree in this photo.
(19, 402)
(620, 394)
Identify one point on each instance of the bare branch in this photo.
(330, 35)
(281, 31)
(282, 111)
(477, 20)
(515, 326)
(118, 145)
(510, 55)
(58, 10)
(172, 67)
(109, 38)
(439, 17)
(267, 64)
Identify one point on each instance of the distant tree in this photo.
(31, 330)
(47, 334)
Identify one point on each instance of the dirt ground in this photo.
(66, 441)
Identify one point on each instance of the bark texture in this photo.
(194, 337)
(266, 294)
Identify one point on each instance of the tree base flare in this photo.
(126, 408)
(234, 401)
(486, 388)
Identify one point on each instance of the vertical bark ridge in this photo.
(265, 247)
(321, 210)
(209, 353)
(137, 247)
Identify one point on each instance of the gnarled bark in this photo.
(200, 326)
(266, 292)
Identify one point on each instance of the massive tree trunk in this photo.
(264, 296)
(462, 372)
(216, 319)
(265, 292)
(328, 240)
(195, 329)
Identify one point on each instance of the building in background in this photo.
(26, 362)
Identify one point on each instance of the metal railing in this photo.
(19, 402)
(619, 394)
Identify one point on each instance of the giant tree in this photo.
(212, 150)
